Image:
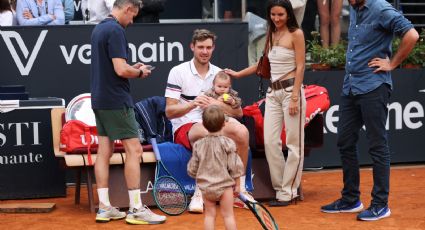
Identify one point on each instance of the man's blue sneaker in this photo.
(374, 213)
(342, 206)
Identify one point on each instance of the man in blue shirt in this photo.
(39, 12)
(113, 108)
(365, 94)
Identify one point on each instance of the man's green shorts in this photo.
(117, 124)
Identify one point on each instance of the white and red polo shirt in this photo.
(185, 84)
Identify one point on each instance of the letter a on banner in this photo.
(30, 58)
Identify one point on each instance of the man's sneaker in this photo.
(342, 206)
(108, 214)
(144, 216)
(374, 213)
(238, 203)
(196, 204)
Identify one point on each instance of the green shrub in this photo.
(333, 56)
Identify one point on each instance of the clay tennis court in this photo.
(407, 203)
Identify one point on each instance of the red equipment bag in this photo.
(317, 102)
(255, 112)
(79, 133)
(76, 136)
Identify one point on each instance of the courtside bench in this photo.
(118, 187)
(118, 193)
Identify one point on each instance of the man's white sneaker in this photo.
(238, 203)
(144, 216)
(196, 204)
(108, 214)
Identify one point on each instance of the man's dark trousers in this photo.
(371, 110)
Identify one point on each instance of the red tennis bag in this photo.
(78, 137)
(79, 133)
(255, 112)
(317, 98)
(317, 102)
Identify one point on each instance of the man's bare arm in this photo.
(174, 109)
(124, 70)
(406, 45)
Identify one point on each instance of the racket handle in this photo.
(155, 149)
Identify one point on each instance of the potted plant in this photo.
(326, 58)
(317, 53)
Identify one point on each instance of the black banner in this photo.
(28, 166)
(405, 120)
(55, 61)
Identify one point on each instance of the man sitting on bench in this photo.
(185, 103)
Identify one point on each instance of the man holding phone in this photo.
(149, 67)
(113, 108)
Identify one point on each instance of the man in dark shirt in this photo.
(365, 94)
(113, 107)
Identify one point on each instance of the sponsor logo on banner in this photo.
(12, 139)
(399, 118)
(146, 52)
(24, 58)
(29, 57)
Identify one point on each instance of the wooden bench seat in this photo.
(76, 160)
(80, 161)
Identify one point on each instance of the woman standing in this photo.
(285, 100)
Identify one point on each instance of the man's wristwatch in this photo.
(140, 73)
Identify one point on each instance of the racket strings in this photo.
(170, 196)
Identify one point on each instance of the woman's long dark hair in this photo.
(5, 6)
(292, 23)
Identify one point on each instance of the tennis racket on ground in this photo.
(261, 213)
(169, 195)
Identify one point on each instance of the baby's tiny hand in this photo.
(230, 100)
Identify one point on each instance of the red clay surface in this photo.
(407, 203)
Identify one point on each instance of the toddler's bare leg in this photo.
(210, 214)
(226, 209)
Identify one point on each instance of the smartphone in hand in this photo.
(150, 67)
